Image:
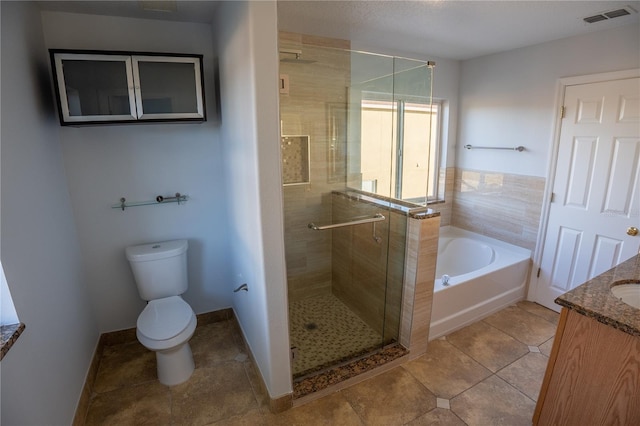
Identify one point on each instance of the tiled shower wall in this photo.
(314, 90)
(368, 274)
(422, 249)
(499, 205)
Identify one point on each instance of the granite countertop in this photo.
(10, 334)
(595, 300)
(425, 214)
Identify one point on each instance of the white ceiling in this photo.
(455, 29)
(201, 11)
(452, 29)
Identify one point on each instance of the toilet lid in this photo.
(165, 318)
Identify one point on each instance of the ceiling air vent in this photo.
(627, 10)
(617, 13)
(595, 18)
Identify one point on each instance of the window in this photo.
(412, 127)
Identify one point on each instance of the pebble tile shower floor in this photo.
(324, 331)
(488, 373)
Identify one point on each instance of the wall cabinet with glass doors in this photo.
(94, 87)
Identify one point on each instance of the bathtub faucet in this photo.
(445, 280)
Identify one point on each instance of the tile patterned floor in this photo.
(324, 332)
(488, 373)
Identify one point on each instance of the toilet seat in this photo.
(164, 319)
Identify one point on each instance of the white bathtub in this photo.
(486, 275)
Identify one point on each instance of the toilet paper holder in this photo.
(244, 287)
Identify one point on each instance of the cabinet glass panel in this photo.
(96, 88)
(168, 87)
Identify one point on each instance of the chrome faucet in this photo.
(445, 280)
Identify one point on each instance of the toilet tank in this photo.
(160, 269)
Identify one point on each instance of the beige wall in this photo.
(499, 205)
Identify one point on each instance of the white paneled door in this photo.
(595, 206)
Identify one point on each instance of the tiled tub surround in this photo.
(444, 204)
(503, 206)
(592, 374)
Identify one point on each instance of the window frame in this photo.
(372, 101)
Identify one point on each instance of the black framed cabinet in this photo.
(95, 87)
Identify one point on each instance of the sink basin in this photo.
(628, 291)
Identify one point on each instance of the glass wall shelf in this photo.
(178, 198)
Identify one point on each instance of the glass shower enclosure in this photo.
(355, 132)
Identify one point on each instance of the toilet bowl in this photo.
(165, 326)
(167, 322)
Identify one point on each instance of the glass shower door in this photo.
(344, 237)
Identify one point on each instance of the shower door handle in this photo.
(355, 221)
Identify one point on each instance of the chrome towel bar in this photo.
(517, 148)
(355, 221)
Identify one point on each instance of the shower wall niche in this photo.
(295, 159)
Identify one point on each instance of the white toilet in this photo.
(167, 322)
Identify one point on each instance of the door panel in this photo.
(568, 245)
(596, 187)
(629, 111)
(623, 179)
(581, 172)
(606, 254)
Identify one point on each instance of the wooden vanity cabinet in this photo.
(593, 375)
